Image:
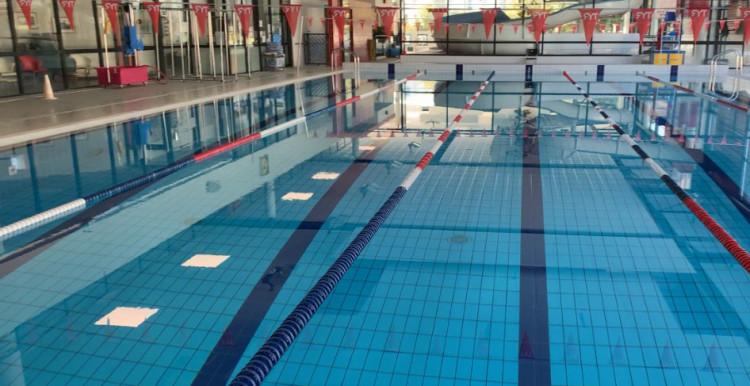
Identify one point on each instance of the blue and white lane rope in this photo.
(80, 204)
(270, 353)
(731, 245)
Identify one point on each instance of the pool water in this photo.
(535, 247)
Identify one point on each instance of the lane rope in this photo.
(270, 353)
(729, 243)
(77, 205)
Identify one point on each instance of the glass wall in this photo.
(70, 50)
(461, 31)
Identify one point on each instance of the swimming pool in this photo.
(514, 258)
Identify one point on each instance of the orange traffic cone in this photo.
(48, 93)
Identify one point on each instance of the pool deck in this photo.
(32, 118)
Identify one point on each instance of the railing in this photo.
(738, 63)
(334, 78)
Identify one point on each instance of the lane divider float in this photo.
(270, 353)
(731, 245)
(77, 205)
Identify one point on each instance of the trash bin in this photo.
(273, 58)
(274, 61)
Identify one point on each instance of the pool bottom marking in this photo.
(223, 359)
(533, 319)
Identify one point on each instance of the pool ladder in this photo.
(738, 63)
(334, 79)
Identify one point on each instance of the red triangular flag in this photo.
(26, 9)
(309, 21)
(323, 21)
(499, 29)
(473, 27)
(589, 16)
(515, 28)
(111, 7)
(446, 27)
(643, 20)
(68, 5)
(362, 24)
(201, 13)
(154, 14)
(291, 11)
(736, 25)
(697, 17)
(745, 14)
(538, 18)
(386, 18)
(529, 27)
(437, 14)
(722, 23)
(339, 15)
(458, 26)
(488, 18)
(245, 15)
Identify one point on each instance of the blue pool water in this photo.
(551, 259)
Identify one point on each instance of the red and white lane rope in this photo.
(697, 93)
(409, 179)
(731, 245)
(365, 95)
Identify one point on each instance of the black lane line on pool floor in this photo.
(533, 326)
(224, 357)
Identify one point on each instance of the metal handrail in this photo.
(333, 68)
(738, 63)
